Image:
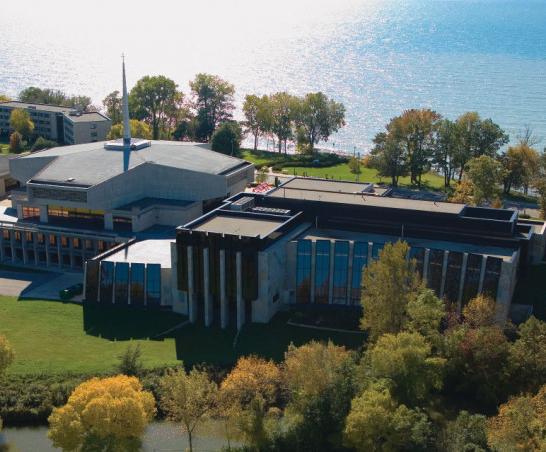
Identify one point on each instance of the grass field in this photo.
(55, 337)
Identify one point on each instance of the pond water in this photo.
(159, 437)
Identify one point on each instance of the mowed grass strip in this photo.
(53, 337)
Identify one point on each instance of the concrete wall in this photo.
(83, 131)
(24, 169)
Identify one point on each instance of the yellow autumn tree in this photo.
(520, 424)
(6, 354)
(108, 413)
(247, 395)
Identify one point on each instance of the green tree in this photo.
(6, 354)
(425, 314)
(445, 148)
(528, 355)
(155, 100)
(319, 117)
(34, 95)
(15, 142)
(354, 165)
(389, 158)
(139, 129)
(256, 111)
(227, 138)
(477, 137)
(377, 423)
(388, 285)
(188, 399)
(463, 193)
(113, 105)
(486, 174)
(20, 121)
(282, 108)
(405, 360)
(466, 433)
(213, 102)
(130, 361)
(42, 143)
(521, 165)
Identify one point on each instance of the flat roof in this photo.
(243, 226)
(90, 116)
(148, 202)
(331, 234)
(40, 107)
(322, 185)
(366, 200)
(145, 252)
(90, 163)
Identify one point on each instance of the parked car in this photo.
(71, 292)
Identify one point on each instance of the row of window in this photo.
(123, 283)
(346, 288)
(53, 240)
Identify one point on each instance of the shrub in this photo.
(130, 362)
(15, 142)
(227, 138)
(43, 143)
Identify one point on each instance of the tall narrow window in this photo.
(303, 272)
(106, 281)
(360, 260)
(322, 271)
(137, 284)
(153, 284)
(121, 286)
(341, 268)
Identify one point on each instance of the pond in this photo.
(159, 437)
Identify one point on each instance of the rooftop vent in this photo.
(243, 204)
(271, 210)
(136, 144)
(74, 113)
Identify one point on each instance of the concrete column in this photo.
(35, 246)
(331, 273)
(507, 284)
(444, 273)
(206, 290)
(313, 265)
(192, 308)
(2, 186)
(24, 246)
(114, 284)
(108, 221)
(240, 301)
(461, 284)
(482, 274)
(46, 248)
(43, 214)
(426, 261)
(59, 251)
(224, 315)
(85, 281)
(19, 211)
(71, 250)
(350, 271)
(12, 244)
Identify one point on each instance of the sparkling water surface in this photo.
(377, 57)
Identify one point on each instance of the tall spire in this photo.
(126, 126)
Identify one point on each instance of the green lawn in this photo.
(259, 158)
(55, 337)
(342, 172)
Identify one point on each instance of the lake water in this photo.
(377, 57)
(159, 437)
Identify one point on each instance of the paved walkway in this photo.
(38, 285)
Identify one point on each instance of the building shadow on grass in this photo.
(126, 323)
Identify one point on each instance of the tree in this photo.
(485, 173)
(318, 117)
(130, 361)
(20, 121)
(247, 395)
(463, 193)
(445, 149)
(477, 137)
(540, 186)
(139, 129)
(42, 143)
(6, 354)
(354, 165)
(34, 95)
(155, 100)
(388, 285)
(106, 413)
(227, 138)
(520, 424)
(15, 142)
(389, 158)
(466, 433)
(528, 355)
(4, 98)
(480, 311)
(282, 108)
(188, 398)
(521, 164)
(425, 314)
(405, 360)
(113, 105)
(256, 116)
(377, 423)
(213, 102)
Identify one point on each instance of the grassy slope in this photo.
(55, 337)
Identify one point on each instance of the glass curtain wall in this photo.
(341, 270)
(303, 272)
(106, 281)
(137, 284)
(153, 285)
(322, 271)
(121, 286)
(360, 260)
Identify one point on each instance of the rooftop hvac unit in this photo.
(243, 204)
